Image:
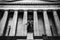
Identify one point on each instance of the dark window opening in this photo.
(1, 14)
(30, 21)
(58, 12)
(20, 14)
(11, 13)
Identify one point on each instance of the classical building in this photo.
(29, 20)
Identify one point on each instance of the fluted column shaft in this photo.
(47, 25)
(3, 22)
(57, 22)
(13, 24)
(24, 23)
(36, 28)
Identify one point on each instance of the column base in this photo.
(30, 36)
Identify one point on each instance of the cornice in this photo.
(30, 3)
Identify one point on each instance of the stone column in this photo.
(24, 23)
(47, 25)
(36, 28)
(13, 24)
(57, 22)
(3, 22)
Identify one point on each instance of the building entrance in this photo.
(30, 21)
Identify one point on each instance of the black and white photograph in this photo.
(29, 19)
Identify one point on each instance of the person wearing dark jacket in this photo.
(29, 26)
